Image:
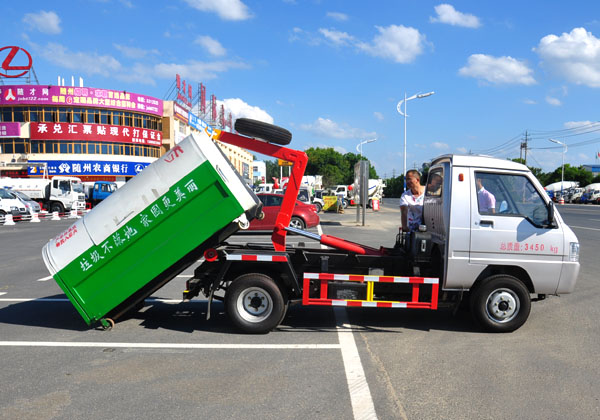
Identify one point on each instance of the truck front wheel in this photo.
(56, 207)
(501, 303)
(254, 303)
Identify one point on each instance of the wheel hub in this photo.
(502, 305)
(254, 304)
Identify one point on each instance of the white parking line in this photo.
(45, 278)
(170, 345)
(320, 232)
(2, 293)
(582, 227)
(360, 395)
(185, 275)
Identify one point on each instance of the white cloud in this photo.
(341, 17)
(45, 22)
(299, 34)
(196, 70)
(326, 128)
(439, 145)
(498, 70)
(225, 9)
(574, 56)
(462, 150)
(134, 52)
(581, 125)
(88, 63)
(213, 46)
(553, 101)
(395, 42)
(529, 101)
(446, 13)
(378, 115)
(240, 109)
(337, 37)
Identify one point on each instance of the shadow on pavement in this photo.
(188, 317)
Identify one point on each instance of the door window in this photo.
(510, 195)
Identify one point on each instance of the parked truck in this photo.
(496, 259)
(59, 194)
(97, 191)
(350, 195)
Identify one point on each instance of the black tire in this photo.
(254, 303)
(2, 216)
(297, 223)
(344, 203)
(370, 204)
(500, 304)
(55, 206)
(319, 207)
(262, 130)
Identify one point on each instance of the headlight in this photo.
(574, 251)
(14, 208)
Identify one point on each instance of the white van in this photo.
(10, 205)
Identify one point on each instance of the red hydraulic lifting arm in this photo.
(299, 160)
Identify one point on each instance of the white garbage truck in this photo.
(490, 237)
(58, 194)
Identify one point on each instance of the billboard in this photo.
(79, 97)
(10, 129)
(94, 132)
(87, 167)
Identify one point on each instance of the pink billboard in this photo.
(79, 96)
(10, 129)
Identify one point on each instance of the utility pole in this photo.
(524, 147)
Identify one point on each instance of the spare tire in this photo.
(263, 130)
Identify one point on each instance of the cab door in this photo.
(510, 227)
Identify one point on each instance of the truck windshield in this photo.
(77, 187)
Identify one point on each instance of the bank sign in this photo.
(87, 167)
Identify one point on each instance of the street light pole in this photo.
(399, 109)
(359, 145)
(562, 175)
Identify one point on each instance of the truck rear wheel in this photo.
(254, 303)
(501, 303)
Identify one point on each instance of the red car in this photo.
(304, 215)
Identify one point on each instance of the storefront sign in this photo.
(180, 113)
(10, 129)
(79, 97)
(88, 167)
(94, 132)
(200, 124)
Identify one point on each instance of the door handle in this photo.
(489, 223)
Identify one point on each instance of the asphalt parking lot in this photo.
(168, 361)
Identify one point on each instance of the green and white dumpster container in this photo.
(151, 229)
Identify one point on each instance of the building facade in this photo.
(91, 133)
(94, 134)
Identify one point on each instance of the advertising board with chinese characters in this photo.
(79, 96)
(95, 132)
(10, 129)
(199, 124)
(88, 167)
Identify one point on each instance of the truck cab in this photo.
(98, 191)
(491, 224)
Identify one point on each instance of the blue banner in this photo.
(199, 124)
(88, 167)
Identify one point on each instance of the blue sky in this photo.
(333, 72)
